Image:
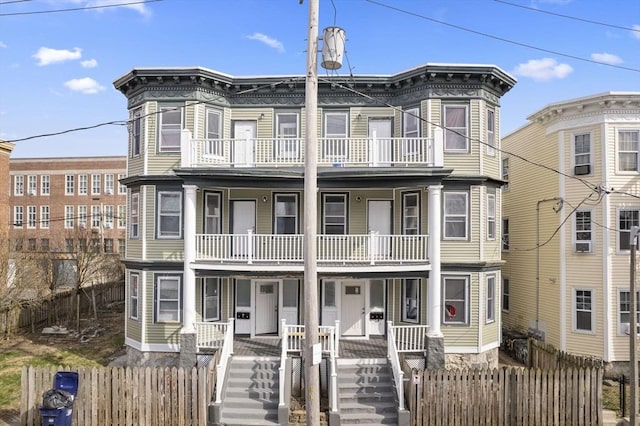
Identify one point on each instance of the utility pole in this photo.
(311, 370)
(633, 332)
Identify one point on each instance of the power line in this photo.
(76, 129)
(39, 12)
(604, 24)
(13, 1)
(505, 40)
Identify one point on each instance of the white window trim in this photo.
(83, 184)
(504, 235)
(134, 276)
(503, 175)
(623, 327)
(406, 195)
(276, 216)
(467, 302)
(409, 115)
(67, 187)
(45, 185)
(574, 310)
(169, 108)
(32, 217)
(134, 216)
(490, 314)
(574, 154)
(96, 183)
(491, 218)
(446, 127)
(136, 138)
(158, 281)
(618, 211)
(575, 231)
(618, 152)
(18, 211)
(345, 217)
(445, 215)
(160, 234)
(491, 134)
(45, 216)
(18, 185)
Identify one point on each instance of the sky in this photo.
(59, 58)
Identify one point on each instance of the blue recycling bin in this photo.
(57, 409)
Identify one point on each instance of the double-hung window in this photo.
(45, 217)
(456, 212)
(582, 154)
(96, 216)
(411, 300)
(491, 132)
(83, 184)
(95, 183)
(32, 217)
(287, 137)
(456, 128)
(134, 282)
(491, 216)
(211, 299)
(168, 289)
(134, 215)
(45, 185)
(18, 216)
(170, 126)
(122, 189)
(212, 211)
(286, 214)
(506, 295)
(214, 145)
(169, 214)
(70, 183)
(32, 183)
(136, 132)
(411, 213)
(122, 216)
(505, 173)
(627, 218)
(624, 310)
(334, 214)
(18, 185)
(456, 300)
(68, 217)
(505, 234)
(108, 216)
(491, 299)
(82, 216)
(628, 141)
(583, 310)
(334, 145)
(109, 183)
(583, 232)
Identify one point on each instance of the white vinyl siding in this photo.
(583, 232)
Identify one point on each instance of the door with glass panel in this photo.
(266, 307)
(352, 310)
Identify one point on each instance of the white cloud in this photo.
(86, 85)
(271, 42)
(138, 7)
(89, 63)
(47, 56)
(636, 31)
(2, 45)
(543, 69)
(606, 58)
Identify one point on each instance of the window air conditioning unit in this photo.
(108, 226)
(32, 192)
(109, 191)
(82, 225)
(584, 169)
(583, 247)
(627, 328)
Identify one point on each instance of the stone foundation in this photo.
(487, 359)
(136, 358)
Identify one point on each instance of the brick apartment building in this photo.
(5, 153)
(58, 204)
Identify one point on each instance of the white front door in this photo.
(244, 143)
(381, 153)
(352, 308)
(266, 307)
(379, 222)
(244, 219)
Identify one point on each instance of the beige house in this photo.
(572, 196)
(409, 200)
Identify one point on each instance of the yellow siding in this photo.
(491, 331)
(134, 327)
(465, 335)
(469, 250)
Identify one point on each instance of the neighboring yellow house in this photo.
(573, 193)
(407, 218)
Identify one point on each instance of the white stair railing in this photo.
(223, 364)
(283, 361)
(394, 360)
(333, 402)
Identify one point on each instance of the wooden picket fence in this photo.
(546, 356)
(508, 396)
(144, 396)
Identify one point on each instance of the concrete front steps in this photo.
(252, 393)
(366, 392)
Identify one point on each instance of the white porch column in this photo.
(434, 294)
(189, 284)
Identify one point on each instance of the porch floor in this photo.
(374, 347)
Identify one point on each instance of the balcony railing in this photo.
(332, 152)
(369, 249)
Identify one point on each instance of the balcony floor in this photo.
(374, 347)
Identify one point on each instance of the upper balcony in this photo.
(331, 152)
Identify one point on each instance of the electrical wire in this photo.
(74, 9)
(589, 21)
(505, 40)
